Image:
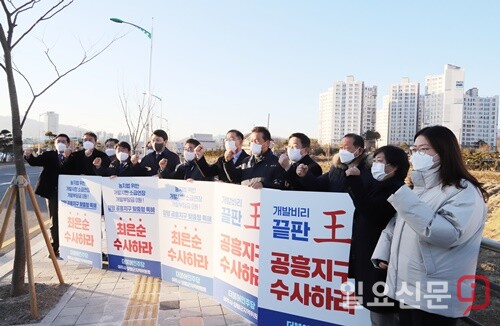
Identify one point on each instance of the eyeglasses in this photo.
(421, 150)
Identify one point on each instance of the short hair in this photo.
(265, 132)
(123, 144)
(114, 140)
(238, 133)
(91, 134)
(358, 141)
(160, 133)
(304, 140)
(192, 141)
(395, 156)
(64, 136)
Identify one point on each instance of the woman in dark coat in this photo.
(389, 170)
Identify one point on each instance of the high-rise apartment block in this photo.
(346, 107)
(480, 119)
(50, 122)
(444, 100)
(397, 121)
(350, 106)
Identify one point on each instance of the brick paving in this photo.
(107, 297)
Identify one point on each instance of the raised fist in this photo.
(302, 170)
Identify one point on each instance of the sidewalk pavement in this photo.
(107, 297)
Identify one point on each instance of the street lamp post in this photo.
(150, 35)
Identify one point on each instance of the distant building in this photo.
(397, 121)
(480, 119)
(50, 122)
(369, 110)
(103, 135)
(346, 107)
(444, 100)
(207, 140)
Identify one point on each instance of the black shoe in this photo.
(57, 254)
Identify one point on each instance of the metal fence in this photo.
(486, 244)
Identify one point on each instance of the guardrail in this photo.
(492, 245)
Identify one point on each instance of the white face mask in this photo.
(256, 148)
(122, 156)
(378, 171)
(421, 162)
(346, 157)
(294, 154)
(88, 145)
(189, 156)
(110, 151)
(230, 145)
(61, 147)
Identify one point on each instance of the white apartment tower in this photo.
(341, 110)
(480, 122)
(397, 121)
(369, 110)
(51, 122)
(444, 100)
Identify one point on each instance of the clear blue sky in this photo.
(219, 65)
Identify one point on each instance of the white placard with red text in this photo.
(80, 219)
(236, 248)
(305, 240)
(131, 215)
(186, 233)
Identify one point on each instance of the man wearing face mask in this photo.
(351, 155)
(151, 161)
(109, 148)
(297, 153)
(261, 169)
(186, 170)
(124, 165)
(82, 161)
(52, 162)
(233, 143)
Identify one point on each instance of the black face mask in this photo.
(158, 147)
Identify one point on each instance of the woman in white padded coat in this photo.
(431, 245)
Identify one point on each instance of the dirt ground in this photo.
(16, 311)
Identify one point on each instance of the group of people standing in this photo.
(406, 238)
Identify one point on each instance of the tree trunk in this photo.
(19, 268)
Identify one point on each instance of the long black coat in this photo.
(79, 163)
(373, 212)
(47, 182)
(217, 169)
(152, 160)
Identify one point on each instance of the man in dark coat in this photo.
(52, 162)
(261, 169)
(82, 161)
(187, 169)
(151, 161)
(234, 143)
(123, 165)
(298, 153)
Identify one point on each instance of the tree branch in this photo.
(83, 61)
(46, 16)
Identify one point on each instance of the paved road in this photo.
(7, 171)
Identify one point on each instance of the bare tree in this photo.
(9, 24)
(137, 120)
